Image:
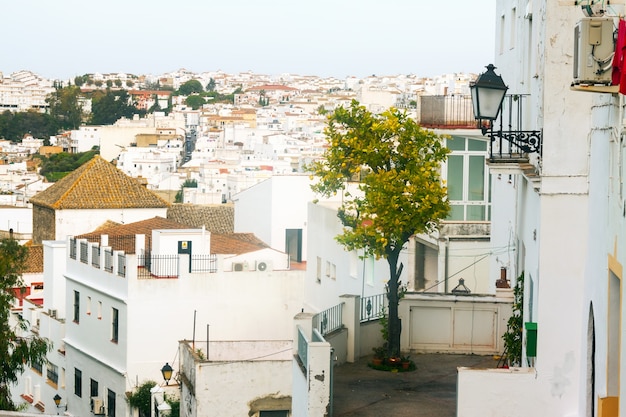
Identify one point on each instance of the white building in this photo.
(275, 210)
(562, 210)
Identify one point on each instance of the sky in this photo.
(65, 38)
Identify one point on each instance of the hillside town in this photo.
(191, 255)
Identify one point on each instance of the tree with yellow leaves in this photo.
(397, 166)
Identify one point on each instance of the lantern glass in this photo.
(167, 372)
(488, 92)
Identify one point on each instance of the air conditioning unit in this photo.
(594, 48)
(97, 406)
(239, 266)
(264, 265)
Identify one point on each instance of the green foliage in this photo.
(178, 198)
(110, 106)
(514, 327)
(175, 404)
(59, 165)
(190, 87)
(395, 165)
(211, 85)
(140, 398)
(13, 126)
(65, 107)
(195, 101)
(16, 350)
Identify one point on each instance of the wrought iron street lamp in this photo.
(166, 371)
(488, 95)
(57, 401)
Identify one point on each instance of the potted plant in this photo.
(405, 361)
(379, 355)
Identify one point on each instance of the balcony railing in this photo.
(329, 320)
(373, 307)
(509, 141)
(447, 112)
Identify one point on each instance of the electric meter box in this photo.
(594, 47)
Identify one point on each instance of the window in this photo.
(467, 180)
(318, 272)
(78, 382)
(76, 307)
(115, 315)
(328, 268)
(38, 367)
(274, 413)
(110, 403)
(93, 388)
(53, 373)
(513, 23)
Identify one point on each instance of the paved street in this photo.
(428, 391)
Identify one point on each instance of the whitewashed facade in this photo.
(565, 220)
(275, 210)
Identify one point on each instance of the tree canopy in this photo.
(190, 87)
(397, 165)
(110, 106)
(57, 166)
(195, 101)
(65, 107)
(13, 126)
(16, 350)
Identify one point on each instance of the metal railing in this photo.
(157, 266)
(84, 255)
(328, 320)
(204, 263)
(108, 260)
(303, 346)
(450, 111)
(373, 307)
(121, 264)
(73, 248)
(95, 256)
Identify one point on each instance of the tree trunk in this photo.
(393, 347)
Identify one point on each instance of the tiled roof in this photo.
(236, 243)
(122, 236)
(34, 260)
(215, 219)
(98, 184)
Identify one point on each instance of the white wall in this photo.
(352, 275)
(270, 207)
(76, 222)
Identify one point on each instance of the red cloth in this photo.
(619, 72)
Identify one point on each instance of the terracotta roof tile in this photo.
(122, 236)
(34, 260)
(216, 219)
(236, 243)
(98, 184)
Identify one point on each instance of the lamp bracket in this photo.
(528, 141)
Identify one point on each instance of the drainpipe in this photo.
(446, 265)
